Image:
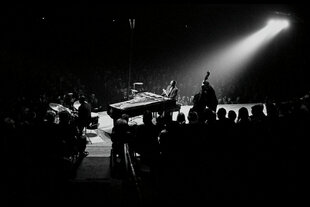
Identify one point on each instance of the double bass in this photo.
(205, 98)
(205, 82)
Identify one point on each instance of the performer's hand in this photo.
(165, 92)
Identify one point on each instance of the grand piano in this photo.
(140, 103)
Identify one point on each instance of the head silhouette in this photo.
(243, 114)
(82, 99)
(181, 118)
(173, 83)
(221, 113)
(192, 116)
(232, 115)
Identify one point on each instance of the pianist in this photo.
(171, 91)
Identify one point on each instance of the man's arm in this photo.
(174, 93)
(164, 92)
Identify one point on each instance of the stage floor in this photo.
(100, 142)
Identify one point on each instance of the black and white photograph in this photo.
(152, 104)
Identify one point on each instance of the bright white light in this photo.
(229, 61)
(285, 24)
(237, 55)
(278, 24)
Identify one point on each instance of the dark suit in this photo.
(205, 98)
(84, 113)
(172, 92)
(84, 119)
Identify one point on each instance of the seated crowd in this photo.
(230, 154)
(224, 155)
(42, 143)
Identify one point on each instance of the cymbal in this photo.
(58, 107)
(55, 106)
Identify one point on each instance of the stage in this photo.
(100, 144)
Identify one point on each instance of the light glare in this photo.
(278, 24)
(229, 61)
(286, 24)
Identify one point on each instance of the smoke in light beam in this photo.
(229, 60)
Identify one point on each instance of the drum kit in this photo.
(58, 108)
(76, 106)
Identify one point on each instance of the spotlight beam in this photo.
(229, 61)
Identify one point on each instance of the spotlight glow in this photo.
(278, 24)
(229, 61)
(236, 56)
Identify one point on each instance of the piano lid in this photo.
(141, 99)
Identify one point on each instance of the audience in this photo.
(232, 116)
(234, 155)
(181, 118)
(146, 141)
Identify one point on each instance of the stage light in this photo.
(286, 24)
(278, 24)
(228, 61)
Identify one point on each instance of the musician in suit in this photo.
(206, 98)
(84, 119)
(84, 113)
(171, 91)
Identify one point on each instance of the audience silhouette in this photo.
(210, 155)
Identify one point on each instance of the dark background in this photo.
(52, 37)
